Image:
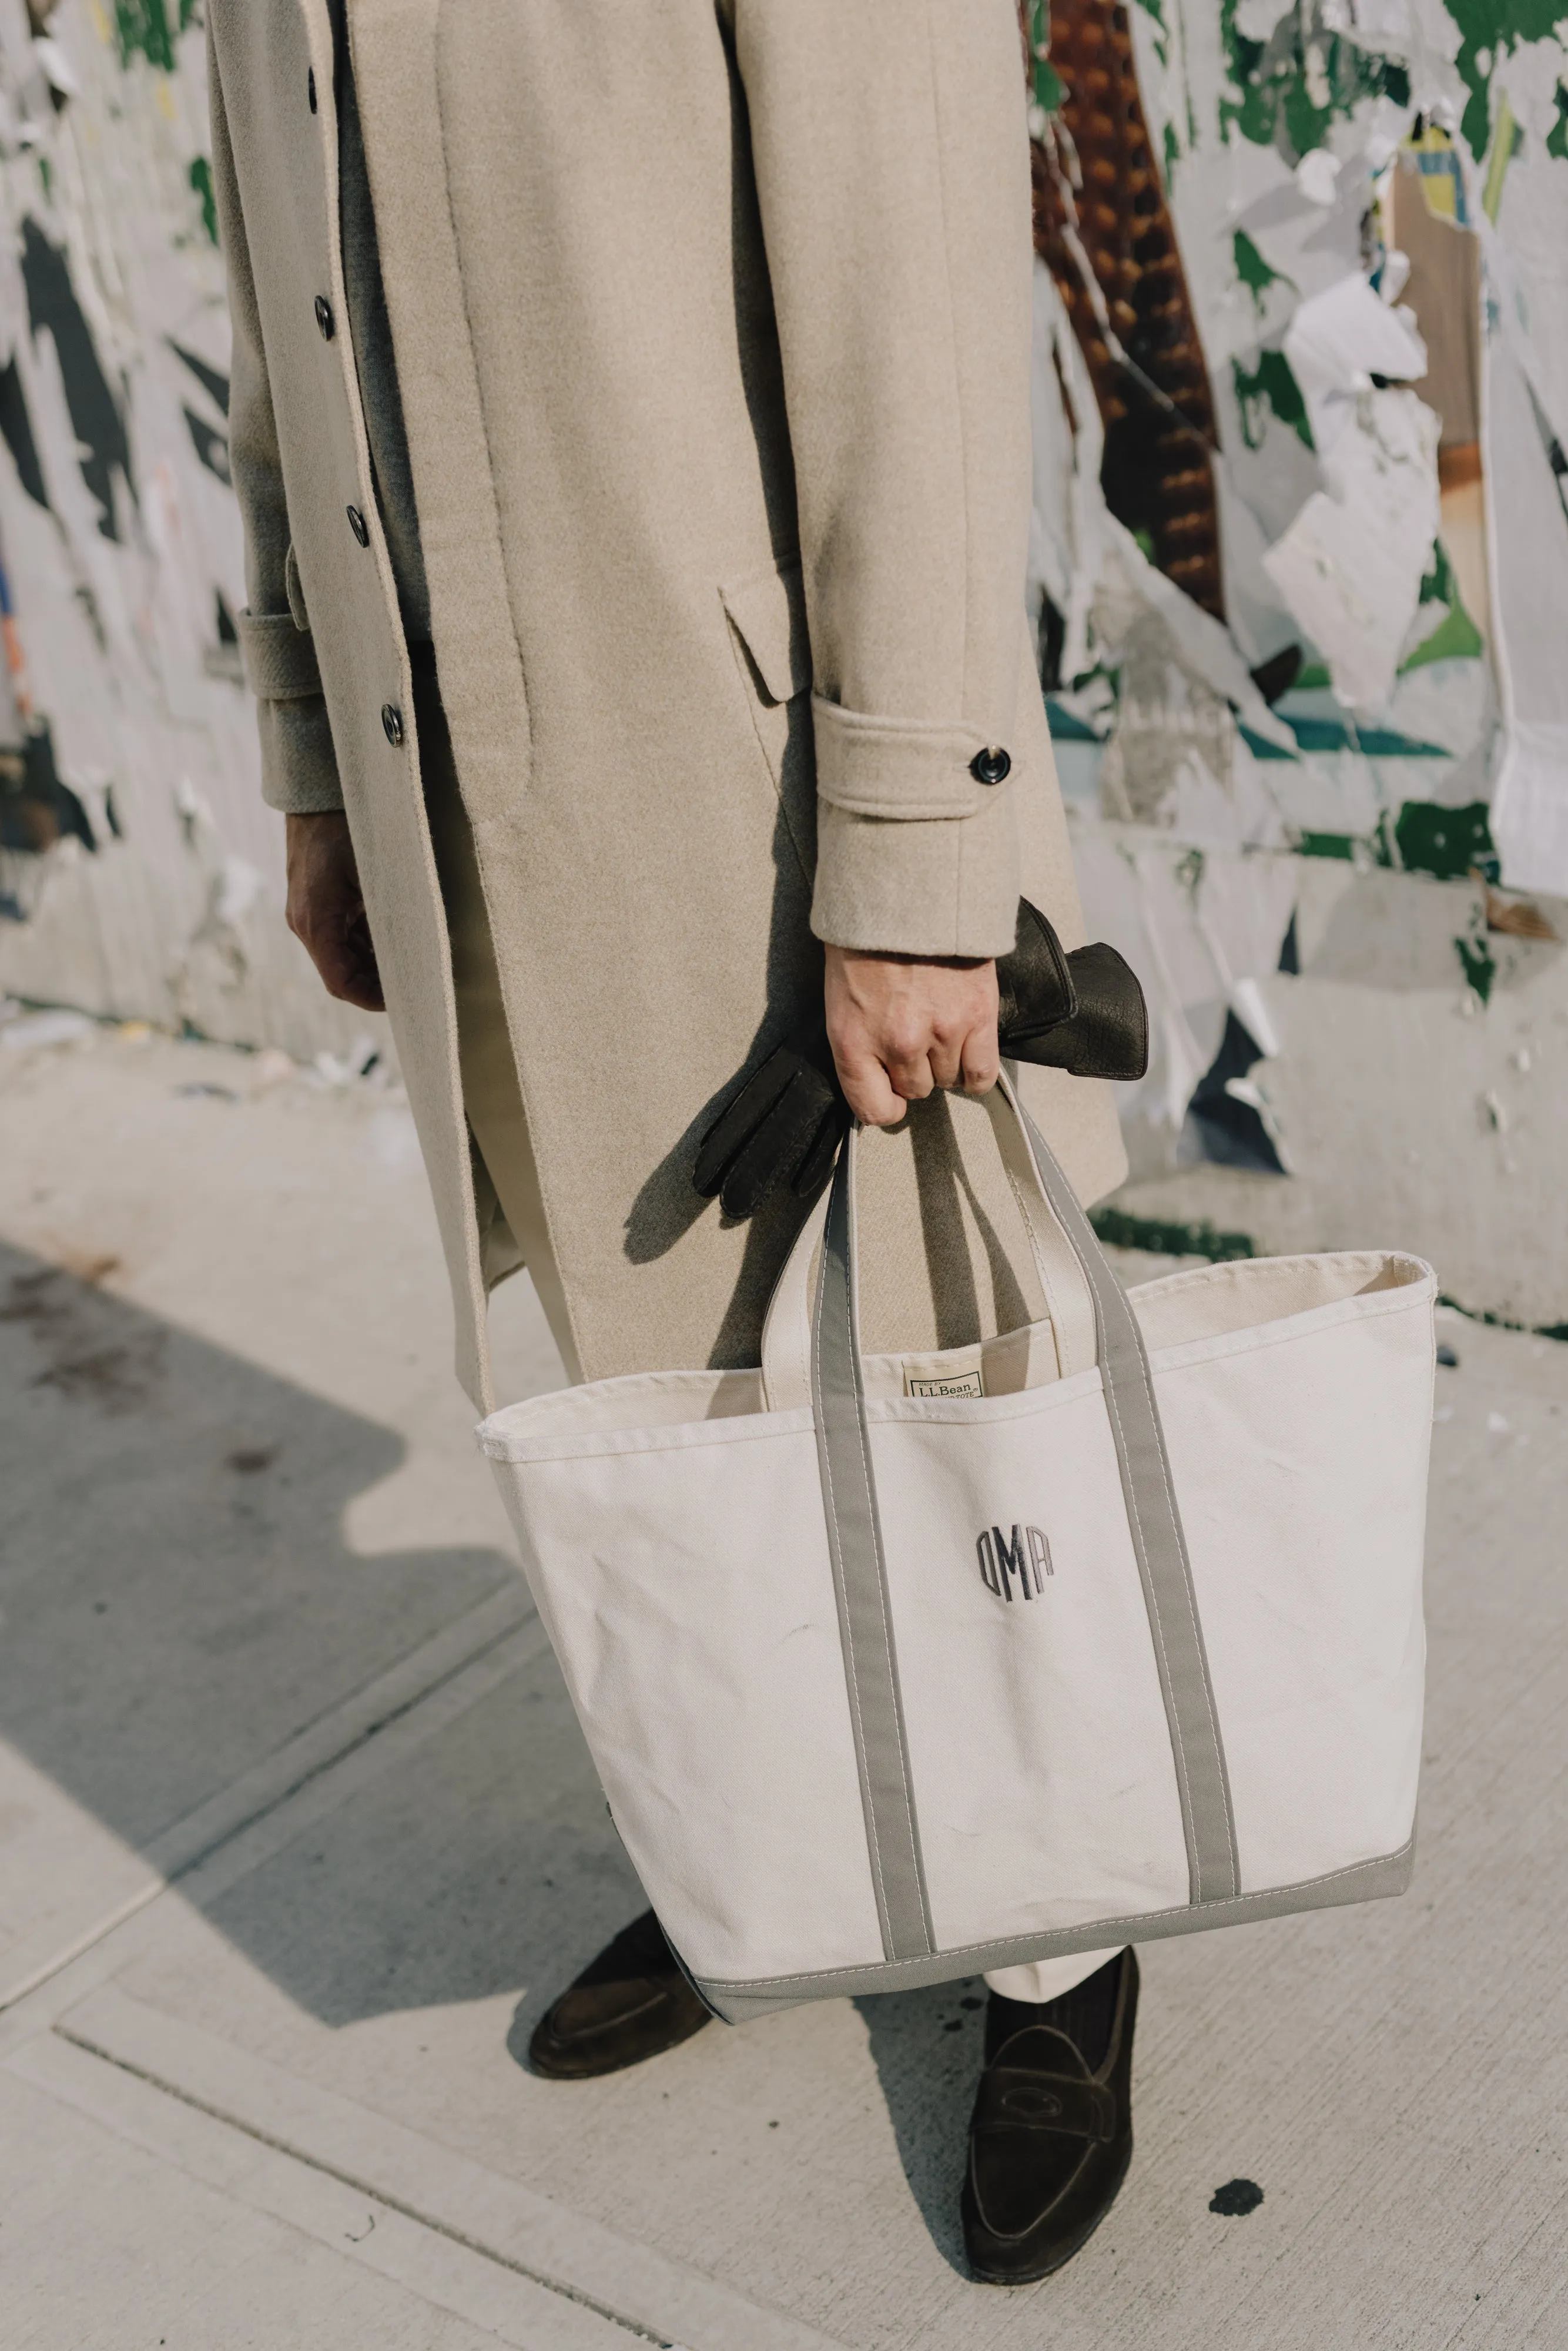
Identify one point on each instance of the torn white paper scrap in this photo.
(1337, 341)
(1317, 176)
(1256, 19)
(1529, 531)
(1130, 587)
(1351, 565)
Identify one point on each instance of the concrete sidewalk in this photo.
(297, 1837)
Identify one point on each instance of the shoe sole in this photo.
(550, 2070)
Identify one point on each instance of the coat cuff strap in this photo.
(906, 767)
(279, 656)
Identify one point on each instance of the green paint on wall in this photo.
(1446, 842)
(1328, 844)
(1269, 385)
(201, 179)
(1437, 585)
(1252, 269)
(1455, 634)
(1047, 82)
(1479, 968)
(1161, 1239)
(150, 28)
(1488, 30)
(1290, 91)
(1455, 637)
(1507, 140)
(1557, 137)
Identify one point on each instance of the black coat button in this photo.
(392, 723)
(310, 87)
(358, 526)
(324, 319)
(991, 765)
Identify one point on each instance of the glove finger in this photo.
(1034, 981)
(818, 1163)
(739, 1119)
(772, 1154)
(1108, 1036)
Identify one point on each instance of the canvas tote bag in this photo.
(901, 1668)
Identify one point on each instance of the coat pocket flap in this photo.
(767, 613)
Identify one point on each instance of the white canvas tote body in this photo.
(1111, 1628)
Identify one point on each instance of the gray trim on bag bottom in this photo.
(1363, 1881)
(1153, 1521)
(860, 1584)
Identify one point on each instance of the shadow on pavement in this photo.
(178, 1602)
(926, 2047)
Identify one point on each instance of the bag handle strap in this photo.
(1069, 1299)
(837, 1390)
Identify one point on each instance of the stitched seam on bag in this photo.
(1153, 1612)
(1187, 1593)
(825, 1455)
(1092, 1273)
(1091, 1926)
(1058, 1324)
(882, 1598)
(887, 1641)
(1130, 1488)
(1360, 1309)
(1228, 1273)
(590, 1442)
(871, 1838)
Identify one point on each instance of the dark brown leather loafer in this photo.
(631, 2002)
(1050, 2144)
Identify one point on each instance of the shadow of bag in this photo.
(896, 1668)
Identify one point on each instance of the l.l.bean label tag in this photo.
(947, 1383)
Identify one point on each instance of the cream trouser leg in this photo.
(1047, 1979)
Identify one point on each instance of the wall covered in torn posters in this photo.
(1301, 565)
(140, 874)
(1299, 568)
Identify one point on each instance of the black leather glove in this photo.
(783, 1126)
(1082, 1013)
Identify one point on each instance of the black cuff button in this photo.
(392, 723)
(358, 526)
(324, 319)
(991, 765)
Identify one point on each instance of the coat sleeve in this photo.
(298, 767)
(890, 146)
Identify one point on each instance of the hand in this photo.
(327, 908)
(900, 1026)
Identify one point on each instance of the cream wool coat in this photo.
(712, 326)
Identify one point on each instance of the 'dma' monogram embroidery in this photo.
(1027, 1555)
